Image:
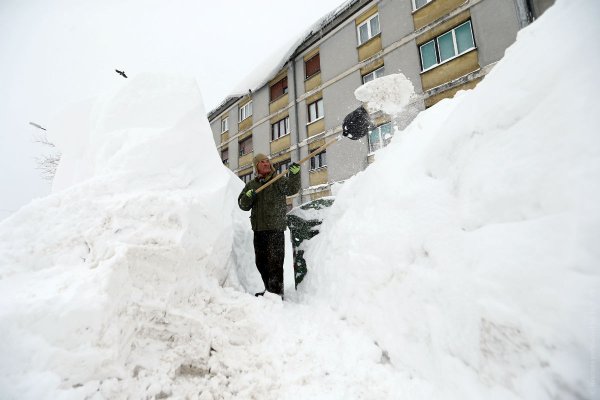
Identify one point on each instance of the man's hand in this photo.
(251, 193)
(294, 168)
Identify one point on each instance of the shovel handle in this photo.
(308, 157)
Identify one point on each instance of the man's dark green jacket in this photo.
(269, 207)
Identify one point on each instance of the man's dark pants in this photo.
(269, 250)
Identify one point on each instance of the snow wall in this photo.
(143, 216)
(477, 267)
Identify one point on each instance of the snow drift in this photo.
(476, 266)
(142, 218)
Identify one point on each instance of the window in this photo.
(279, 89)
(368, 29)
(447, 46)
(246, 178)
(315, 110)
(246, 146)
(380, 137)
(420, 3)
(378, 73)
(224, 125)
(312, 66)
(280, 128)
(225, 156)
(318, 161)
(245, 111)
(283, 165)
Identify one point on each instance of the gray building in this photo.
(442, 46)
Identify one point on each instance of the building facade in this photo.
(442, 46)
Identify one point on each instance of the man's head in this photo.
(262, 165)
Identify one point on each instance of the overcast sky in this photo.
(58, 52)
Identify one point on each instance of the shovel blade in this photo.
(357, 124)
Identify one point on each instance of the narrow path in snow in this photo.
(234, 346)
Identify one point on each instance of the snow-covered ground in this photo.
(462, 264)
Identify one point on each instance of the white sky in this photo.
(56, 53)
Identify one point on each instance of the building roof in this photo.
(275, 63)
(225, 104)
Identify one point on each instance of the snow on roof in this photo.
(271, 65)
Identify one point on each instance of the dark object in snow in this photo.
(122, 73)
(37, 125)
(302, 229)
(357, 124)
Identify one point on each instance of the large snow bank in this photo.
(468, 249)
(142, 219)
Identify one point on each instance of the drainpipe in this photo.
(524, 12)
(296, 126)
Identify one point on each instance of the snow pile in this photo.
(468, 249)
(144, 222)
(390, 94)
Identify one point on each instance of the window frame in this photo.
(246, 109)
(382, 69)
(286, 125)
(284, 89)
(320, 159)
(306, 75)
(317, 116)
(225, 152)
(240, 146)
(224, 124)
(436, 46)
(280, 166)
(368, 23)
(382, 140)
(414, 4)
(246, 177)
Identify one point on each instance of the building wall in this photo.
(540, 6)
(261, 134)
(495, 25)
(396, 20)
(338, 53)
(346, 157)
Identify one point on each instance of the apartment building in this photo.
(442, 46)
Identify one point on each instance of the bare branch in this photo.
(37, 125)
(42, 138)
(47, 165)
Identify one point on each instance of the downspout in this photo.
(524, 12)
(296, 126)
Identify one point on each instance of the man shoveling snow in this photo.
(268, 219)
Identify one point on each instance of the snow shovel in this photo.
(356, 126)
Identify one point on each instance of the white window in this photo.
(283, 166)
(420, 3)
(378, 73)
(280, 128)
(319, 161)
(380, 137)
(315, 110)
(246, 178)
(447, 46)
(245, 111)
(368, 29)
(224, 124)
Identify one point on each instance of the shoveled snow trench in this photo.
(236, 346)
